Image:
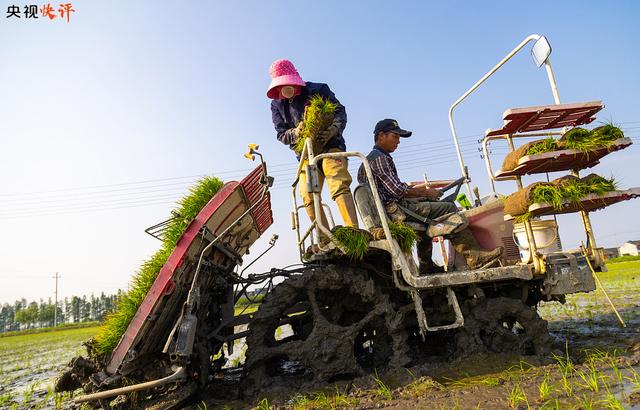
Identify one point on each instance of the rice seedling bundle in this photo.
(404, 234)
(116, 323)
(584, 140)
(355, 241)
(542, 146)
(577, 138)
(568, 188)
(318, 117)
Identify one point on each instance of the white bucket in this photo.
(545, 234)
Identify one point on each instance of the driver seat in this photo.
(366, 205)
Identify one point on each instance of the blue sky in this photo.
(124, 106)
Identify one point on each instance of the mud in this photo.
(486, 379)
(343, 326)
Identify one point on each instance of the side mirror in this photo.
(540, 51)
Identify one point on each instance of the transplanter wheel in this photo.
(506, 325)
(327, 324)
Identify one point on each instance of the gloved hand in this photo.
(328, 134)
(433, 194)
(297, 131)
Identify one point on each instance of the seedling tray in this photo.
(547, 117)
(589, 203)
(561, 160)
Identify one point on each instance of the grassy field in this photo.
(30, 363)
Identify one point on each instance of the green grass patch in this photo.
(625, 258)
(187, 209)
(404, 234)
(50, 329)
(353, 240)
(317, 117)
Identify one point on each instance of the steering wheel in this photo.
(457, 184)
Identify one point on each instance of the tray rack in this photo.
(561, 160)
(532, 120)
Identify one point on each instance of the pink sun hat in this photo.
(282, 72)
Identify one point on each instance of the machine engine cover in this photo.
(567, 273)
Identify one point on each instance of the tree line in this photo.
(33, 315)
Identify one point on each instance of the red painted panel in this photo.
(164, 277)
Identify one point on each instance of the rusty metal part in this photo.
(177, 375)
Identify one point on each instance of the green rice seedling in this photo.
(354, 241)
(320, 400)
(547, 193)
(317, 117)
(383, 390)
(546, 145)
(404, 234)
(590, 378)
(575, 137)
(299, 401)
(341, 400)
(583, 140)
(263, 405)
(187, 209)
(522, 218)
(606, 134)
(551, 404)
(586, 402)
(516, 396)
(610, 401)
(545, 389)
(201, 406)
(6, 399)
(566, 367)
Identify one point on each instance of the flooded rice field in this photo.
(595, 365)
(29, 365)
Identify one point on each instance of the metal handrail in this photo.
(487, 159)
(398, 259)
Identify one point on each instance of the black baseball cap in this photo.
(389, 124)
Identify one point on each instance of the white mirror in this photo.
(540, 51)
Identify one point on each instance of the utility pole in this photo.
(55, 306)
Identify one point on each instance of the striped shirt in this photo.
(385, 176)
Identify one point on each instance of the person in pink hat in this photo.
(290, 95)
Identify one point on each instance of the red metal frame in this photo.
(164, 283)
(547, 117)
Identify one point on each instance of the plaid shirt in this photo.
(385, 176)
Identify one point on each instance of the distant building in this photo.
(629, 248)
(611, 253)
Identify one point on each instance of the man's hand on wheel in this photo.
(421, 191)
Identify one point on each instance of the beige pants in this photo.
(335, 171)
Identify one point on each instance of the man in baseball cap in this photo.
(417, 203)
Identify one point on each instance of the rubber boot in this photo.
(427, 265)
(347, 209)
(476, 257)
